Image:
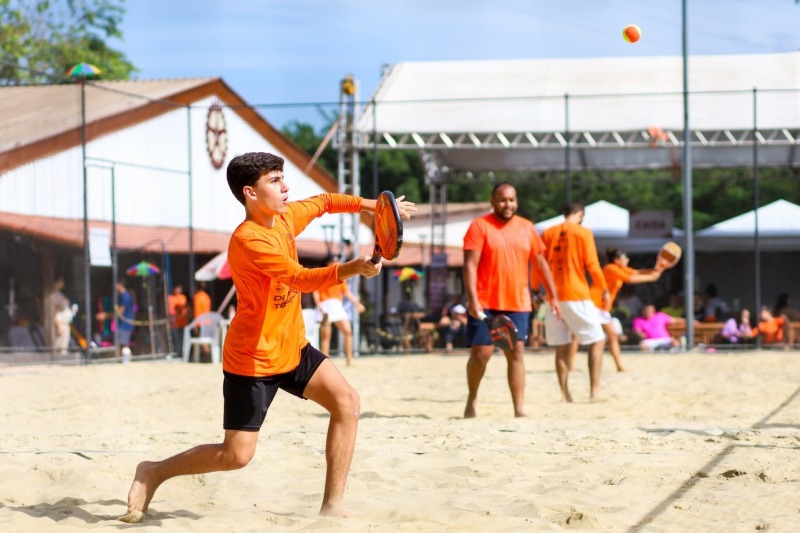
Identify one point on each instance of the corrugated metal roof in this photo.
(69, 232)
(32, 113)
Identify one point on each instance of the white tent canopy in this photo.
(778, 228)
(515, 114)
(610, 224)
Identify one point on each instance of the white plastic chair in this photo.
(209, 335)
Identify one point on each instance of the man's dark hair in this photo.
(501, 185)
(613, 253)
(244, 170)
(573, 207)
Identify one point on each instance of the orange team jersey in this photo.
(267, 333)
(202, 302)
(177, 310)
(771, 331)
(506, 250)
(334, 291)
(571, 252)
(616, 276)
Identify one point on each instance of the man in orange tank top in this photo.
(498, 250)
(571, 253)
(266, 347)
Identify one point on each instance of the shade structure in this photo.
(217, 268)
(83, 70)
(143, 269)
(407, 274)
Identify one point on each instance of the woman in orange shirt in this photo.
(266, 347)
(617, 273)
(330, 301)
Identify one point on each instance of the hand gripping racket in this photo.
(669, 255)
(502, 331)
(388, 228)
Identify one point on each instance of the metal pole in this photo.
(191, 202)
(87, 259)
(567, 166)
(378, 280)
(114, 260)
(756, 200)
(688, 264)
(355, 190)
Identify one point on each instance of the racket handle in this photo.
(376, 258)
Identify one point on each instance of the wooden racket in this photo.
(502, 331)
(388, 228)
(669, 255)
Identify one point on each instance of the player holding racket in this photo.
(497, 250)
(617, 273)
(571, 252)
(265, 348)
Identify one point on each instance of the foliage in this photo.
(41, 39)
(397, 171)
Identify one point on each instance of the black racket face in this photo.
(503, 332)
(388, 227)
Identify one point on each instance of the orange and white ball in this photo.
(631, 33)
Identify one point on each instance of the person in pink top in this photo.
(652, 328)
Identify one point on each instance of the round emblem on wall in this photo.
(216, 136)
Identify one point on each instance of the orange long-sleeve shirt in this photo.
(267, 333)
(571, 253)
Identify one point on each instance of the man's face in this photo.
(270, 193)
(648, 311)
(504, 202)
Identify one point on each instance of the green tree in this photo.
(41, 39)
(398, 171)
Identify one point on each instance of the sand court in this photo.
(696, 442)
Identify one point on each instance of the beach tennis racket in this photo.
(388, 228)
(502, 331)
(669, 255)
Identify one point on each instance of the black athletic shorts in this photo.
(247, 398)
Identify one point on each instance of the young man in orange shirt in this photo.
(498, 250)
(330, 301)
(265, 348)
(571, 253)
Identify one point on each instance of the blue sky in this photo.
(296, 51)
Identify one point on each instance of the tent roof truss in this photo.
(577, 139)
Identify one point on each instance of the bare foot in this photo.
(596, 398)
(566, 397)
(520, 414)
(133, 517)
(334, 510)
(140, 494)
(469, 411)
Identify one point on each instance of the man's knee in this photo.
(238, 456)
(349, 402)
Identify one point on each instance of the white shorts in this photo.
(581, 318)
(653, 344)
(606, 318)
(334, 310)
